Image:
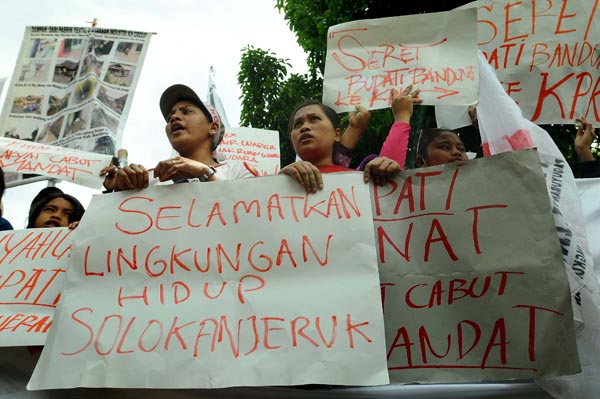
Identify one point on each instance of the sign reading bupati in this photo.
(32, 267)
(78, 167)
(251, 282)
(73, 87)
(258, 147)
(546, 54)
(435, 53)
(472, 278)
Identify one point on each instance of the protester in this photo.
(193, 132)
(588, 165)
(434, 147)
(438, 147)
(53, 208)
(315, 129)
(395, 145)
(358, 123)
(4, 224)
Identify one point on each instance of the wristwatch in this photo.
(209, 172)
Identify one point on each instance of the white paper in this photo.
(179, 246)
(435, 53)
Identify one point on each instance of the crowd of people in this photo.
(194, 131)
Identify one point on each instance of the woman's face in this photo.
(445, 148)
(313, 134)
(188, 128)
(55, 213)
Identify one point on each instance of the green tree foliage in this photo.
(268, 96)
(310, 20)
(261, 77)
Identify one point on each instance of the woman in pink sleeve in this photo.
(395, 146)
(314, 131)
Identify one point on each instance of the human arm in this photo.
(395, 145)
(305, 174)
(342, 150)
(342, 155)
(359, 121)
(583, 140)
(184, 168)
(110, 177)
(131, 177)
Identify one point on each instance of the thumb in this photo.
(366, 174)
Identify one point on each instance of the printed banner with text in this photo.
(472, 277)
(546, 54)
(242, 283)
(435, 53)
(73, 87)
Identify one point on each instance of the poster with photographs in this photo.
(73, 87)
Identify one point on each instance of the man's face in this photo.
(187, 127)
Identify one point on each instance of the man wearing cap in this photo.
(193, 129)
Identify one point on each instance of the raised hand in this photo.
(403, 103)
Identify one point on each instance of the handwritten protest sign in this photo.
(546, 54)
(471, 272)
(435, 53)
(73, 86)
(258, 147)
(79, 167)
(250, 282)
(32, 267)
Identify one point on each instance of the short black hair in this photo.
(327, 110)
(48, 194)
(426, 136)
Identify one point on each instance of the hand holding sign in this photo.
(306, 174)
(434, 52)
(382, 169)
(402, 105)
(584, 139)
(131, 177)
(183, 168)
